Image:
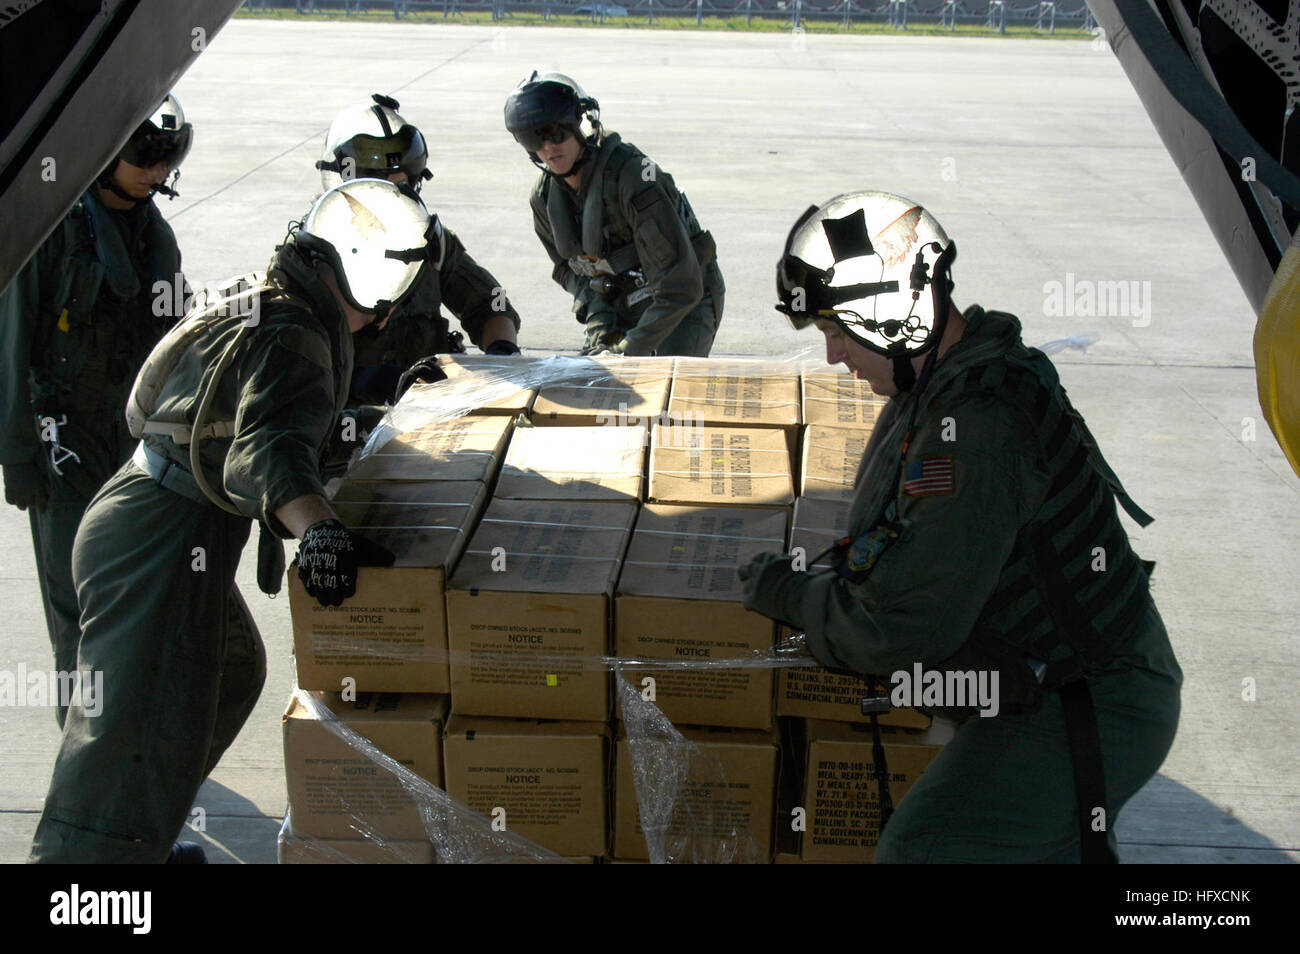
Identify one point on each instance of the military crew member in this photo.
(372, 140)
(624, 241)
(983, 539)
(235, 420)
(74, 328)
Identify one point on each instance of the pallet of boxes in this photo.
(567, 533)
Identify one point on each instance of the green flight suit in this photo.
(628, 218)
(75, 326)
(417, 328)
(981, 477)
(161, 615)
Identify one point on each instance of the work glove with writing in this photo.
(328, 557)
(772, 587)
(27, 485)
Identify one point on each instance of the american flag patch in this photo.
(927, 476)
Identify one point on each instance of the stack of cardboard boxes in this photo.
(590, 517)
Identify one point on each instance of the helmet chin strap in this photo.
(107, 182)
(587, 152)
(904, 373)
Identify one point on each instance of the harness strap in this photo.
(167, 473)
(1089, 772)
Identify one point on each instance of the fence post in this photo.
(652, 12)
(699, 12)
(798, 13)
(749, 12)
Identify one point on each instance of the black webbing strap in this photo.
(1089, 773)
(882, 770)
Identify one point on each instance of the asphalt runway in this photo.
(1037, 158)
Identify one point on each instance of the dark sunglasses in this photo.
(532, 139)
(169, 146)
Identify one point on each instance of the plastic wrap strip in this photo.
(686, 813)
(782, 655)
(475, 386)
(459, 834)
(546, 523)
(668, 769)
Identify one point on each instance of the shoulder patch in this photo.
(928, 476)
(646, 198)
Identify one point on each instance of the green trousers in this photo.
(1003, 789)
(182, 663)
(102, 444)
(694, 336)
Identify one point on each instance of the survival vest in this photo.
(605, 245)
(101, 320)
(230, 309)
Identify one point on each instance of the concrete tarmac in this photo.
(1038, 159)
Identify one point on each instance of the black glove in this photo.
(502, 346)
(328, 557)
(426, 370)
(27, 485)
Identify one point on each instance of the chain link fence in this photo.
(992, 15)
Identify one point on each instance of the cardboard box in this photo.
(735, 393)
(826, 694)
(392, 635)
(740, 798)
(295, 849)
(546, 781)
(840, 789)
(839, 399)
(337, 791)
(574, 463)
(820, 693)
(530, 603)
(463, 448)
(489, 384)
(679, 598)
(818, 522)
(625, 391)
(831, 456)
(708, 392)
(720, 466)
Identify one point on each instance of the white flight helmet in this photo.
(875, 263)
(370, 141)
(165, 137)
(375, 235)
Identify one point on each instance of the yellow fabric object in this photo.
(1277, 355)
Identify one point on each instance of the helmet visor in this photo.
(533, 139)
(150, 146)
(363, 157)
